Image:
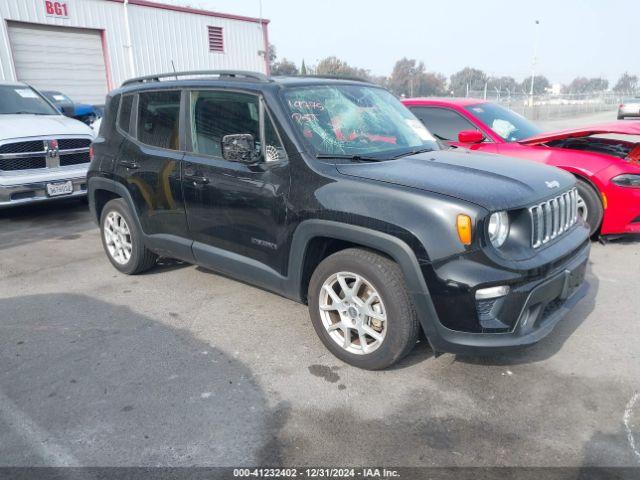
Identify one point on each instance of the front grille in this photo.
(553, 217)
(22, 163)
(74, 159)
(71, 143)
(11, 154)
(23, 147)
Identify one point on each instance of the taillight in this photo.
(91, 153)
(621, 105)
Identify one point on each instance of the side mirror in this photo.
(239, 147)
(470, 136)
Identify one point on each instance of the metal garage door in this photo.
(69, 60)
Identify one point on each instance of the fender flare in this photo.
(101, 183)
(383, 242)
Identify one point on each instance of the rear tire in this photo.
(375, 309)
(122, 239)
(590, 206)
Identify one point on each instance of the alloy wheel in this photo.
(583, 210)
(117, 237)
(353, 313)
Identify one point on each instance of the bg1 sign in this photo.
(54, 8)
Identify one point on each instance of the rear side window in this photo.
(158, 114)
(124, 115)
(445, 124)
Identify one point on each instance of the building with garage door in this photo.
(85, 48)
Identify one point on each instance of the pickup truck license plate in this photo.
(61, 188)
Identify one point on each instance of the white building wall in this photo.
(183, 38)
(158, 37)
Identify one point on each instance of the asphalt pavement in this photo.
(182, 367)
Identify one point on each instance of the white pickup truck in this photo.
(43, 154)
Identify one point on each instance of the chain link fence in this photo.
(555, 106)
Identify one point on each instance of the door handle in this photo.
(130, 164)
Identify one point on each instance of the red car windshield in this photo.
(504, 122)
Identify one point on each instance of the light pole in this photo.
(127, 32)
(412, 72)
(534, 60)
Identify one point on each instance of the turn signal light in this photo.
(605, 202)
(464, 229)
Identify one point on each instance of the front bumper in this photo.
(542, 289)
(547, 302)
(622, 214)
(629, 113)
(26, 187)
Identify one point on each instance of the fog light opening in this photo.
(492, 292)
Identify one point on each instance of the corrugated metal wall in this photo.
(158, 37)
(183, 38)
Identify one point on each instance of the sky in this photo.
(576, 37)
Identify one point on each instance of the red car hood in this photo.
(620, 127)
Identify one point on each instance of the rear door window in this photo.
(158, 119)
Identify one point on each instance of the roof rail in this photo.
(332, 77)
(260, 77)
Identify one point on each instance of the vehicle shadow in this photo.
(84, 382)
(552, 343)
(623, 239)
(165, 264)
(31, 223)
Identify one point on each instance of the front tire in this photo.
(361, 309)
(590, 206)
(122, 239)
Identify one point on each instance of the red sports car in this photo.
(604, 158)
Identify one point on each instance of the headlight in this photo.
(498, 228)
(627, 180)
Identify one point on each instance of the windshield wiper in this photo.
(355, 158)
(29, 113)
(413, 152)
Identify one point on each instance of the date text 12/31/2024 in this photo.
(315, 473)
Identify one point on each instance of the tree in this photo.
(272, 56)
(503, 86)
(577, 85)
(379, 80)
(303, 68)
(466, 80)
(598, 84)
(586, 85)
(409, 78)
(540, 85)
(627, 84)
(333, 66)
(284, 67)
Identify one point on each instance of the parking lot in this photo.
(181, 367)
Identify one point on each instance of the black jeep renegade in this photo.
(332, 193)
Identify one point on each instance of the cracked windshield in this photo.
(355, 120)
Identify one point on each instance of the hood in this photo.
(620, 127)
(22, 126)
(491, 181)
